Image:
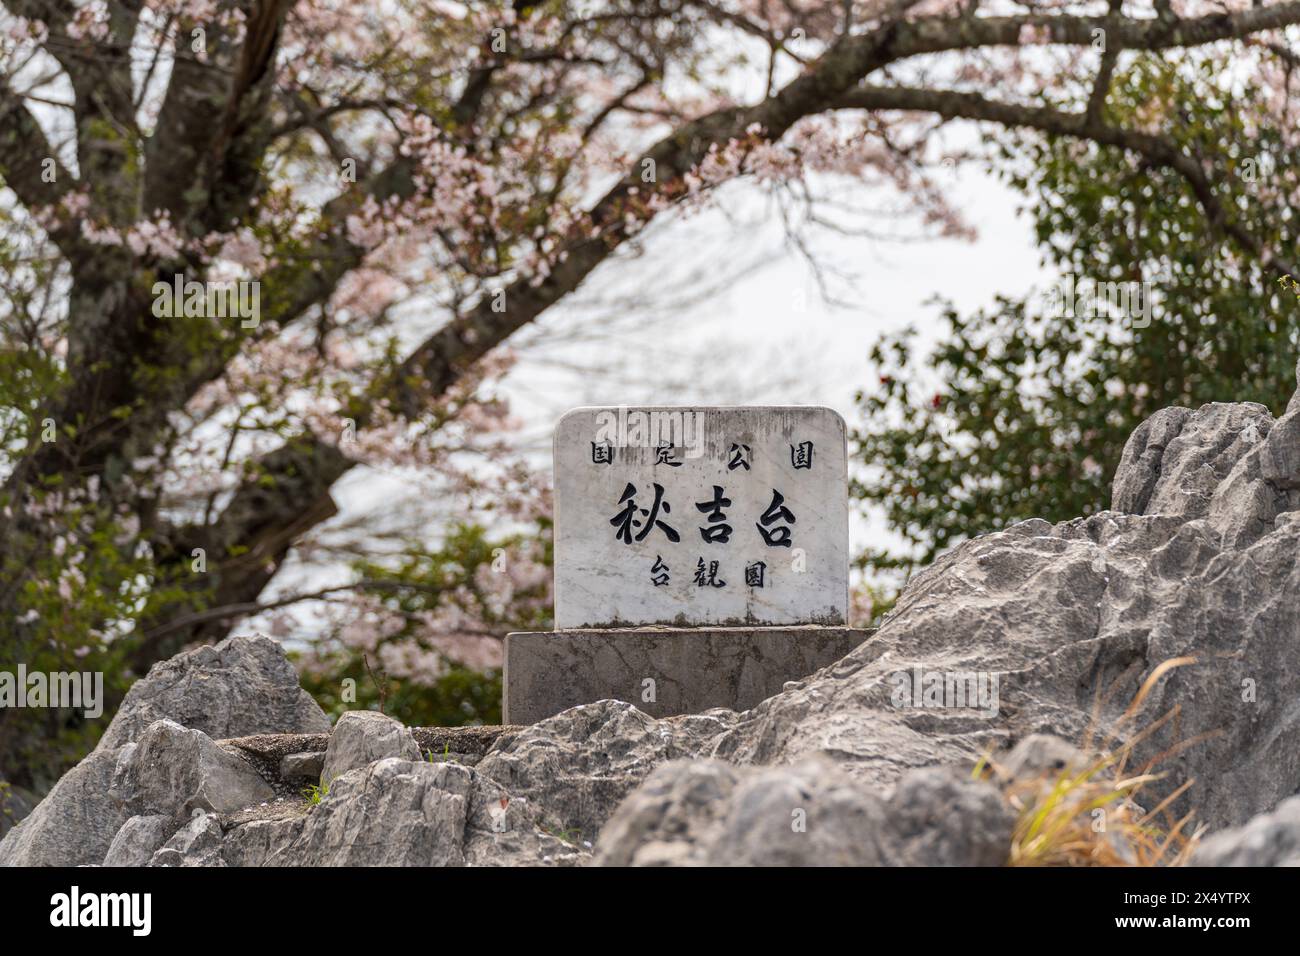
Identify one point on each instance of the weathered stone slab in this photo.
(701, 516)
(663, 671)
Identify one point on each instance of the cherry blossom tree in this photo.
(250, 246)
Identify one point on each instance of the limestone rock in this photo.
(1140, 465)
(138, 840)
(392, 813)
(74, 824)
(503, 830)
(1179, 457)
(262, 842)
(242, 686)
(580, 764)
(670, 817)
(360, 738)
(302, 768)
(174, 771)
(811, 814)
(941, 817)
(15, 803)
(198, 843)
(1270, 839)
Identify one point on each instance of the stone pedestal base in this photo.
(663, 671)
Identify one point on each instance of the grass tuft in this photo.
(1089, 814)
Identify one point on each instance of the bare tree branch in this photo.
(1156, 149)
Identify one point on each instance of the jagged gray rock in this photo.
(939, 816)
(138, 840)
(1270, 839)
(1068, 614)
(263, 842)
(360, 738)
(580, 764)
(707, 812)
(173, 772)
(15, 803)
(397, 812)
(74, 824)
(419, 808)
(671, 817)
(1140, 464)
(244, 685)
(302, 768)
(197, 843)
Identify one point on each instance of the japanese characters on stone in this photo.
(694, 516)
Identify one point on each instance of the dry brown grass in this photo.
(1057, 820)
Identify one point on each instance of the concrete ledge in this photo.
(465, 745)
(692, 669)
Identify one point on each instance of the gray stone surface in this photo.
(174, 771)
(603, 574)
(197, 843)
(74, 824)
(138, 840)
(360, 738)
(398, 813)
(692, 670)
(1064, 613)
(302, 768)
(812, 814)
(244, 685)
(263, 842)
(1270, 839)
(15, 803)
(579, 765)
(268, 753)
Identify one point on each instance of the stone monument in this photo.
(701, 560)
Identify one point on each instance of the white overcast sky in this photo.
(775, 316)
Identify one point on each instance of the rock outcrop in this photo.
(173, 772)
(244, 685)
(361, 738)
(1177, 610)
(1270, 839)
(711, 813)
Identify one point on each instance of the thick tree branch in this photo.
(1158, 150)
(940, 34)
(1101, 85)
(230, 612)
(205, 172)
(25, 155)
